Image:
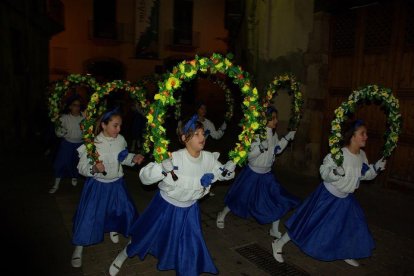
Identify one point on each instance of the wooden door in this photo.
(375, 45)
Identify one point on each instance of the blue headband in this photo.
(358, 123)
(270, 110)
(109, 114)
(191, 124)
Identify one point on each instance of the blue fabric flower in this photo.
(277, 148)
(364, 169)
(206, 179)
(191, 123)
(122, 155)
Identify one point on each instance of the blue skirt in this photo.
(259, 196)
(330, 228)
(66, 160)
(103, 208)
(173, 235)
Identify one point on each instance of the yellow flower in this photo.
(255, 125)
(94, 97)
(182, 68)
(246, 103)
(246, 87)
(227, 62)
(150, 118)
(202, 61)
(219, 65)
(242, 153)
(254, 91)
(190, 74)
(339, 112)
(160, 97)
(172, 82)
(334, 151)
(161, 150)
(236, 160)
(255, 113)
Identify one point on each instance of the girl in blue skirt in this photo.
(66, 158)
(170, 227)
(105, 205)
(330, 224)
(256, 192)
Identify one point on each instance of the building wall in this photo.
(71, 48)
(286, 36)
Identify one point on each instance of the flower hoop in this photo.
(289, 83)
(93, 111)
(228, 96)
(59, 91)
(186, 71)
(368, 93)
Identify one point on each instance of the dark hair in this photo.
(269, 112)
(349, 130)
(189, 133)
(106, 118)
(69, 101)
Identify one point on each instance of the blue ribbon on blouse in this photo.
(364, 169)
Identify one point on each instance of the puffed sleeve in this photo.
(219, 168)
(326, 169)
(84, 166)
(216, 134)
(63, 129)
(370, 173)
(282, 144)
(151, 173)
(255, 149)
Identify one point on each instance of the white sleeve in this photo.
(282, 143)
(84, 166)
(128, 160)
(371, 173)
(63, 129)
(216, 134)
(151, 173)
(218, 170)
(326, 169)
(255, 149)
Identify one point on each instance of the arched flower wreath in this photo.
(59, 91)
(94, 110)
(186, 71)
(228, 97)
(368, 93)
(287, 81)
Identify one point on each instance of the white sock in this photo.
(117, 263)
(114, 237)
(55, 187)
(77, 256)
(221, 216)
(277, 246)
(274, 231)
(352, 262)
(224, 213)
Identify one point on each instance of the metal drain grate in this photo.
(265, 261)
